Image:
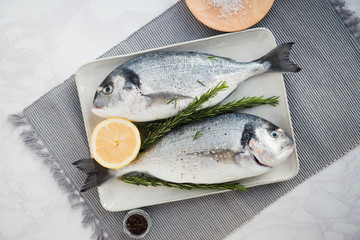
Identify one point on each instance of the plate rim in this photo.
(267, 31)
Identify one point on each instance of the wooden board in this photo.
(255, 10)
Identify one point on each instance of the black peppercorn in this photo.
(136, 224)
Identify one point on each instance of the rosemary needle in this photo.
(213, 58)
(201, 83)
(174, 99)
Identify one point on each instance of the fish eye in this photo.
(274, 134)
(107, 90)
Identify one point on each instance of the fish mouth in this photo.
(258, 162)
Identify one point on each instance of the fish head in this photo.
(117, 93)
(270, 145)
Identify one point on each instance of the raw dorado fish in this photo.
(232, 146)
(157, 85)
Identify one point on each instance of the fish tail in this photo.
(279, 59)
(96, 174)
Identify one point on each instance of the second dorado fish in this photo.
(232, 147)
(157, 85)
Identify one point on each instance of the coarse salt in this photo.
(229, 7)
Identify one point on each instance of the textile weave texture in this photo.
(324, 101)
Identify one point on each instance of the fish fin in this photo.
(96, 174)
(279, 59)
(165, 96)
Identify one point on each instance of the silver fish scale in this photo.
(223, 132)
(181, 71)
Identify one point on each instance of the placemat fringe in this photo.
(349, 18)
(18, 119)
(33, 141)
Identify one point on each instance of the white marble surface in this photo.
(44, 42)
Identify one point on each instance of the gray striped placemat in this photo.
(324, 101)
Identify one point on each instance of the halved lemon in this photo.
(115, 142)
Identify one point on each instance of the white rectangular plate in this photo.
(242, 46)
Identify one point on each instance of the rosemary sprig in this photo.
(197, 135)
(154, 131)
(144, 180)
(245, 102)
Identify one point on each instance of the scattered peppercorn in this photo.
(136, 224)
